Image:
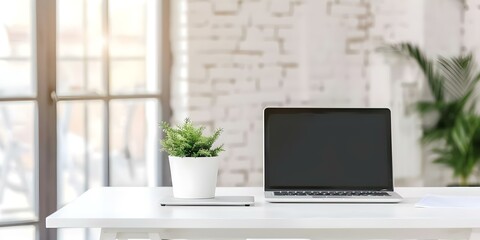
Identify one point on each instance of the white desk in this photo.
(136, 212)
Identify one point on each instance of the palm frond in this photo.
(424, 107)
(452, 82)
(459, 74)
(426, 65)
(434, 134)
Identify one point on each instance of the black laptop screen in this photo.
(311, 148)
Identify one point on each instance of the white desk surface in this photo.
(118, 207)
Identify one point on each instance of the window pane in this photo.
(80, 44)
(133, 141)
(16, 48)
(15, 28)
(70, 28)
(17, 161)
(15, 78)
(127, 28)
(93, 28)
(18, 233)
(80, 150)
(79, 28)
(129, 77)
(79, 77)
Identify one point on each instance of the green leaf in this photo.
(452, 82)
(425, 64)
(186, 140)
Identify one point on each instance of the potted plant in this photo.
(193, 159)
(456, 130)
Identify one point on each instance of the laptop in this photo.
(328, 155)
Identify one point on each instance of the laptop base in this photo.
(392, 198)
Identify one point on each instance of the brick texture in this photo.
(232, 58)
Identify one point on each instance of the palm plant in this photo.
(452, 82)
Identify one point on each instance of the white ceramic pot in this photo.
(194, 177)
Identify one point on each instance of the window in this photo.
(101, 99)
(18, 114)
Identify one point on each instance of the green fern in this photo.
(186, 140)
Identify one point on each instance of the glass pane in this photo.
(16, 28)
(80, 149)
(133, 141)
(70, 28)
(79, 28)
(93, 29)
(17, 161)
(15, 78)
(79, 77)
(80, 44)
(127, 28)
(16, 48)
(128, 77)
(18, 233)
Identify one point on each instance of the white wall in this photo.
(234, 57)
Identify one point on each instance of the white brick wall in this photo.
(471, 24)
(242, 55)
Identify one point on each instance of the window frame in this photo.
(44, 77)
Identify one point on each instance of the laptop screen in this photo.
(327, 149)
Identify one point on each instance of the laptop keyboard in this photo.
(331, 193)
